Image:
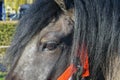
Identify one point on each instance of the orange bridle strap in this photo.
(68, 72)
(72, 69)
(86, 71)
(83, 56)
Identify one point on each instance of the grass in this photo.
(2, 75)
(7, 29)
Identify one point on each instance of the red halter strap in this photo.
(83, 56)
(72, 69)
(68, 73)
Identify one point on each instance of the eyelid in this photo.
(45, 40)
(43, 46)
(52, 41)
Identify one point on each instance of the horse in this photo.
(67, 40)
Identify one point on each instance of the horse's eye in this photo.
(50, 46)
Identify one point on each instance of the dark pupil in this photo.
(51, 46)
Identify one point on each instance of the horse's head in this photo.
(52, 42)
(46, 54)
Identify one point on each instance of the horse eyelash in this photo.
(42, 46)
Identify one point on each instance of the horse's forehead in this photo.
(60, 28)
(63, 22)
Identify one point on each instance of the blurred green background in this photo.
(2, 75)
(7, 30)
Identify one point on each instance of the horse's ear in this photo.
(66, 6)
(62, 5)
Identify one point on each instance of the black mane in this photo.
(98, 26)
